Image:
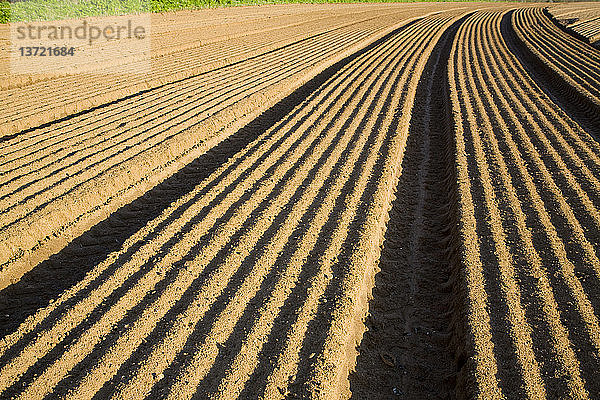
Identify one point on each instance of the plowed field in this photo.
(308, 201)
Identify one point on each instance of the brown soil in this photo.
(581, 19)
(82, 168)
(367, 201)
(406, 351)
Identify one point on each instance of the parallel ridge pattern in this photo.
(575, 62)
(581, 18)
(41, 102)
(245, 286)
(69, 173)
(176, 32)
(529, 201)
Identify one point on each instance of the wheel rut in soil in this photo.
(575, 104)
(407, 349)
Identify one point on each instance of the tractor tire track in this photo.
(191, 271)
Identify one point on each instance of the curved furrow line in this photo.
(246, 160)
(567, 97)
(579, 20)
(363, 246)
(235, 219)
(578, 69)
(213, 77)
(569, 213)
(275, 155)
(572, 143)
(536, 156)
(112, 191)
(191, 39)
(577, 266)
(317, 286)
(568, 365)
(186, 38)
(233, 253)
(381, 22)
(572, 55)
(581, 144)
(253, 39)
(181, 66)
(191, 369)
(39, 181)
(583, 212)
(240, 364)
(170, 345)
(584, 309)
(483, 381)
(220, 86)
(190, 56)
(574, 43)
(507, 160)
(410, 315)
(575, 46)
(224, 321)
(564, 58)
(129, 300)
(97, 91)
(211, 82)
(500, 284)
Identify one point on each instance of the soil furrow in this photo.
(309, 201)
(478, 376)
(184, 321)
(406, 350)
(529, 204)
(148, 133)
(206, 84)
(206, 261)
(99, 89)
(43, 239)
(568, 87)
(256, 174)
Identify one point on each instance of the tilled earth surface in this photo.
(309, 201)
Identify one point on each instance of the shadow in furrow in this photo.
(128, 369)
(407, 350)
(575, 104)
(232, 347)
(288, 314)
(114, 297)
(258, 84)
(50, 278)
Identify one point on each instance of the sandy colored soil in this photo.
(580, 19)
(309, 201)
(528, 219)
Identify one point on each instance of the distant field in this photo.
(57, 9)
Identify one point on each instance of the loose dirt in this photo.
(309, 201)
